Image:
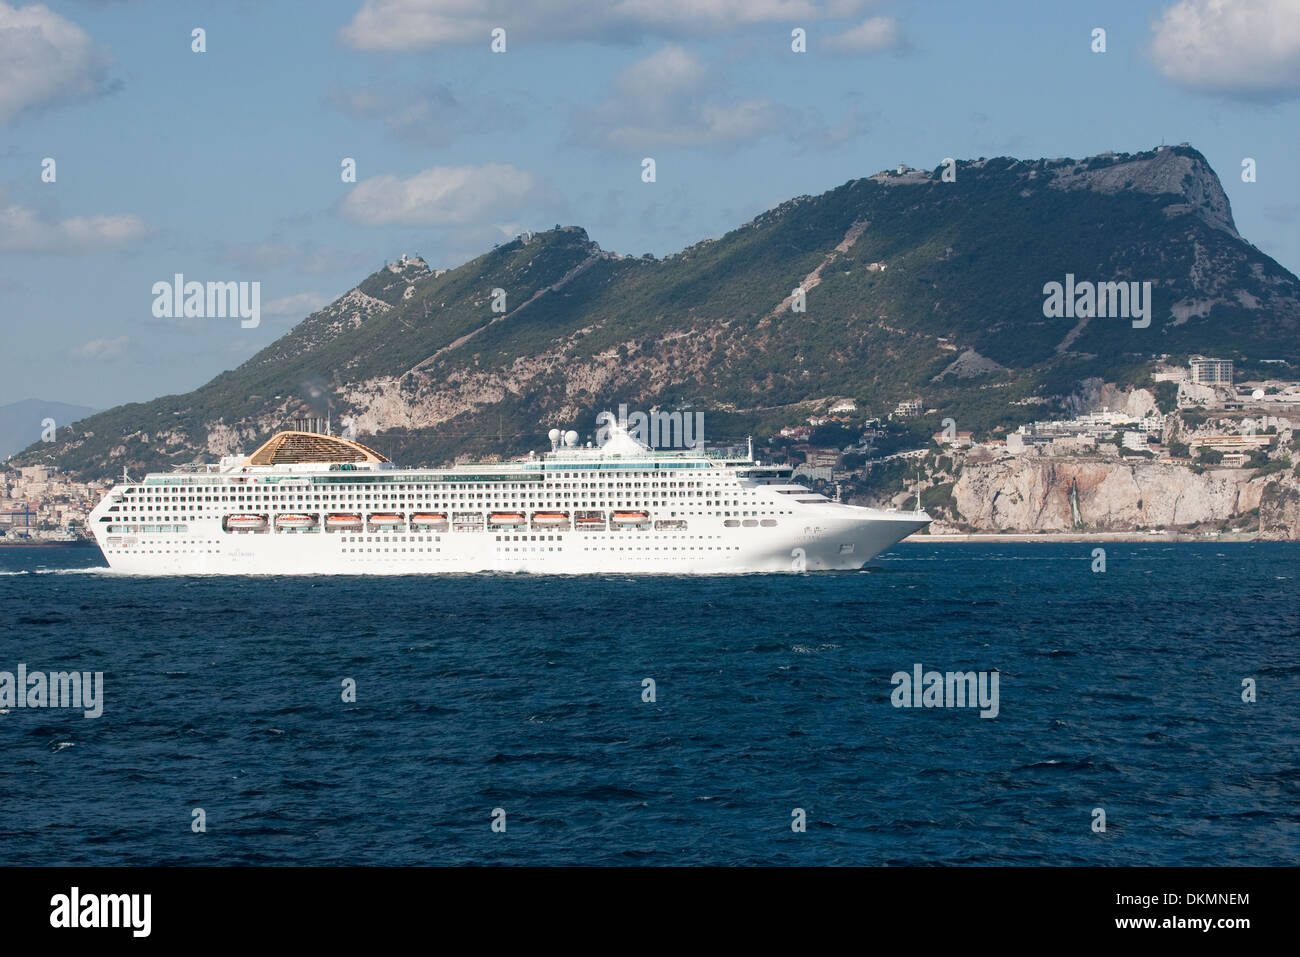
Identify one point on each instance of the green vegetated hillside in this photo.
(427, 370)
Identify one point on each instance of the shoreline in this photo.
(1081, 537)
(79, 543)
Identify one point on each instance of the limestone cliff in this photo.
(1034, 495)
(1279, 513)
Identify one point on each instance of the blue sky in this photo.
(225, 165)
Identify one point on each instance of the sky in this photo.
(226, 164)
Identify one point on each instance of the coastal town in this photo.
(1193, 417)
(39, 505)
(1216, 444)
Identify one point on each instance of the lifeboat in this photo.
(591, 520)
(550, 518)
(506, 518)
(429, 518)
(342, 522)
(630, 518)
(295, 521)
(245, 523)
(386, 518)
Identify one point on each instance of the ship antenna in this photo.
(918, 490)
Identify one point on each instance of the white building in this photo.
(1207, 371)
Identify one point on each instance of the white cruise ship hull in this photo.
(838, 544)
(312, 504)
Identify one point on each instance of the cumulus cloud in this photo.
(23, 230)
(421, 24)
(44, 60)
(442, 196)
(101, 348)
(871, 36)
(1248, 49)
(667, 99)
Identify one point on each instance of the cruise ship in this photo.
(311, 503)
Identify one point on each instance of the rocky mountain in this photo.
(911, 285)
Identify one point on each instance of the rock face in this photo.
(1167, 170)
(1279, 513)
(1034, 495)
(912, 285)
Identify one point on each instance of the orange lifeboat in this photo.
(550, 518)
(245, 523)
(343, 521)
(506, 518)
(630, 518)
(295, 521)
(429, 518)
(385, 518)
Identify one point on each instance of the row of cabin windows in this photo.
(474, 486)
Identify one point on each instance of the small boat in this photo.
(428, 518)
(295, 521)
(386, 518)
(245, 523)
(589, 520)
(630, 518)
(342, 521)
(506, 518)
(550, 518)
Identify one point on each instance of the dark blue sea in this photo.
(1120, 690)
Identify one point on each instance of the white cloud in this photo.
(22, 230)
(45, 59)
(442, 195)
(665, 100)
(101, 348)
(1241, 48)
(421, 24)
(870, 36)
(295, 307)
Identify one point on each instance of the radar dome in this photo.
(570, 438)
(553, 435)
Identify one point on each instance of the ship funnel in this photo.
(313, 424)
